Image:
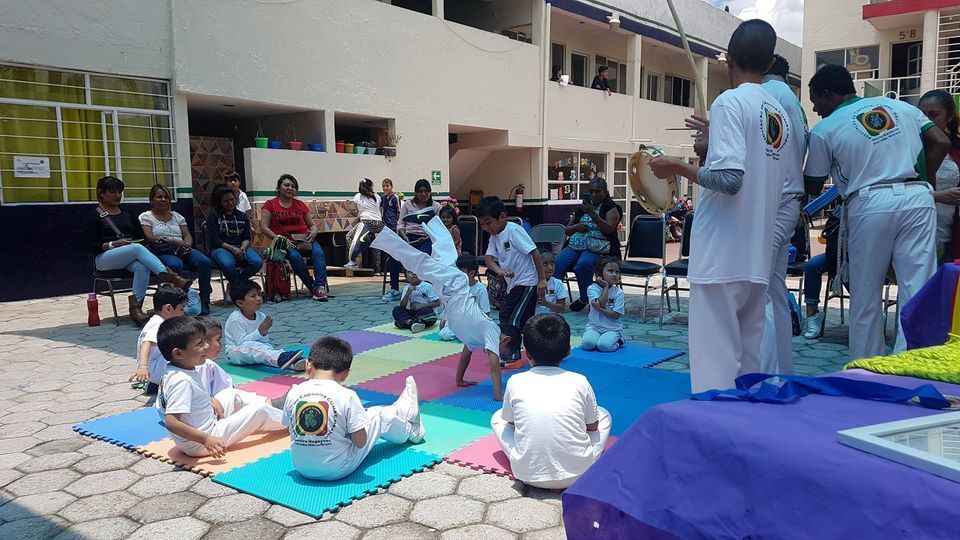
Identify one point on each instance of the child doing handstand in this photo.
(245, 334)
(604, 327)
(468, 265)
(330, 432)
(417, 303)
(199, 424)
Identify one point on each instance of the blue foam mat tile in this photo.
(478, 397)
(372, 398)
(631, 355)
(626, 411)
(274, 479)
(127, 430)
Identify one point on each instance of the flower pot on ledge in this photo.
(315, 147)
(348, 148)
(390, 151)
(295, 145)
(371, 150)
(276, 145)
(339, 146)
(359, 150)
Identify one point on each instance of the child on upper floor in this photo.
(468, 265)
(201, 424)
(512, 254)
(245, 334)
(448, 215)
(417, 305)
(604, 330)
(330, 431)
(168, 301)
(550, 426)
(555, 299)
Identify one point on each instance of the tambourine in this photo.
(655, 195)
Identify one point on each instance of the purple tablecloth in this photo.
(733, 469)
(928, 316)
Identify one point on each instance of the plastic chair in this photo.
(647, 241)
(678, 269)
(551, 234)
(222, 279)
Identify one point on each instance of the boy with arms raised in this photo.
(189, 412)
(550, 426)
(330, 431)
(169, 301)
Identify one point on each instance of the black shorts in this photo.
(518, 306)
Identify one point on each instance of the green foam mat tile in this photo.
(367, 366)
(449, 428)
(418, 351)
(390, 328)
(274, 479)
(247, 373)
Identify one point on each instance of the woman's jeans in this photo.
(228, 264)
(196, 261)
(813, 273)
(426, 246)
(134, 258)
(300, 266)
(582, 263)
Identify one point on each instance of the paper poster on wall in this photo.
(31, 167)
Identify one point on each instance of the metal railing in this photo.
(902, 88)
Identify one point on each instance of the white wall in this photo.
(588, 38)
(501, 171)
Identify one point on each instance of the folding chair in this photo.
(647, 241)
(886, 302)
(549, 234)
(113, 279)
(202, 244)
(678, 268)
(469, 234)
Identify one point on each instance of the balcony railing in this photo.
(902, 88)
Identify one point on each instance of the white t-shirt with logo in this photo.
(243, 202)
(733, 234)
(555, 289)
(512, 248)
(550, 408)
(156, 363)
(164, 229)
(422, 294)
(793, 181)
(868, 141)
(183, 392)
(321, 415)
(368, 208)
(616, 301)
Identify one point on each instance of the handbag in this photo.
(113, 226)
(277, 285)
(589, 242)
(277, 250)
(159, 247)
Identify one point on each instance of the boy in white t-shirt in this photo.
(512, 254)
(214, 377)
(168, 301)
(604, 330)
(733, 234)
(330, 432)
(245, 334)
(243, 202)
(199, 424)
(550, 426)
(465, 317)
(468, 265)
(554, 300)
(417, 305)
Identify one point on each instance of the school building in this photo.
(180, 92)
(897, 48)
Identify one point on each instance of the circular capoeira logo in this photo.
(876, 121)
(312, 418)
(774, 129)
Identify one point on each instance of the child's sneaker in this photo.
(417, 327)
(319, 293)
(351, 265)
(392, 295)
(291, 360)
(408, 408)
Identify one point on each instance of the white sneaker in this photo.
(350, 265)
(408, 408)
(392, 295)
(812, 325)
(417, 327)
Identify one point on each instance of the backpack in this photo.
(795, 315)
(496, 289)
(277, 283)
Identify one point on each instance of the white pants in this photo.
(887, 225)
(776, 351)
(244, 413)
(603, 342)
(726, 325)
(506, 436)
(384, 424)
(253, 352)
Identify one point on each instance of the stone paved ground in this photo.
(55, 371)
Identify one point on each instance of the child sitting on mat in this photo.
(468, 265)
(214, 377)
(555, 299)
(550, 426)
(417, 303)
(604, 327)
(245, 334)
(464, 316)
(199, 424)
(330, 432)
(168, 301)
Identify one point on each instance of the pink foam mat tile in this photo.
(486, 455)
(272, 387)
(433, 381)
(478, 369)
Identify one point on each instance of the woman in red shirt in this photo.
(285, 215)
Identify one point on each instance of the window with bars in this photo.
(85, 126)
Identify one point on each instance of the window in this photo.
(677, 90)
(569, 171)
(578, 69)
(83, 126)
(653, 86)
(617, 74)
(558, 53)
(862, 62)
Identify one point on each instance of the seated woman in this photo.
(592, 234)
(410, 228)
(285, 215)
(169, 238)
(112, 235)
(227, 232)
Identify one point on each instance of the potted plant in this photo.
(260, 140)
(359, 148)
(348, 148)
(315, 147)
(389, 140)
(371, 147)
(339, 146)
(293, 142)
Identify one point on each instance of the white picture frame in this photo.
(878, 439)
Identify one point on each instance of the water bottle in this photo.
(792, 257)
(93, 310)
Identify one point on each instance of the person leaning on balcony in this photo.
(228, 237)
(592, 223)
(168, 237)
(112, 234)
(600, 82)
(557, 72)
(940, 108)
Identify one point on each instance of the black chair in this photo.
(469, 234)
(116, 283)
(221, 278)
(678, 268)
(647, 241)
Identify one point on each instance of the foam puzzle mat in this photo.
(128, 430)
(252, 448)
(486, 455)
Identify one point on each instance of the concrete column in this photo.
(928, 69)
(438, 8)
(634, 48)
(329, 132)
(181, 126)
(541, 24)
(703, 69)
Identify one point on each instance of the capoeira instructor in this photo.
(880, 152)
(732, 239)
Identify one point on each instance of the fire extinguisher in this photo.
(519, 197)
